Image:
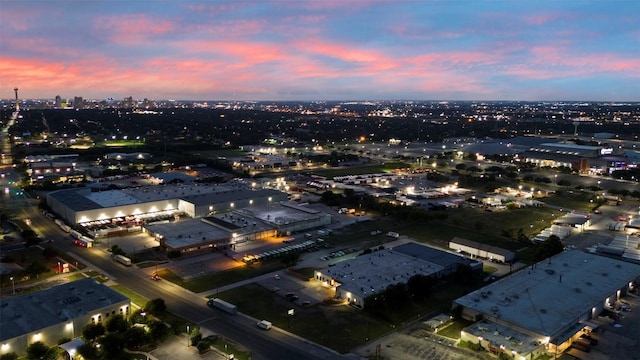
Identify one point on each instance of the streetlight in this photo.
(59, 267)
(188, 336)
(13, 285)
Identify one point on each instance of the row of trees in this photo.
(418, 288)
(371, 203)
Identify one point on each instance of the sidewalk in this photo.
(175, 348)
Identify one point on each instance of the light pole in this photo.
(188, 336)
(13, 285)
(59, 267)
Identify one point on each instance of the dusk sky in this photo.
(321, 49)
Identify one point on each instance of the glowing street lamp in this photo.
(188, 336)
(13, 285)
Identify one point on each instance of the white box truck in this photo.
(222, 305)
(123, 260)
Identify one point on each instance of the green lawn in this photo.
(452, 330)
(338, 327)
(221, 278)
(136, 298)
(572, 199)
(489, 269)
(228, 347)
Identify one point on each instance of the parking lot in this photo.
(617, 339)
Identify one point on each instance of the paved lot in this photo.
(400, 345)
(175, 348)
(621, 341)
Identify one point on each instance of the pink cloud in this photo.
(134, 28)
(540, 19)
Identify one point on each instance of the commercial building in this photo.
(546, 306)
(222, 231)
(582, 158)
(84, 205)
(369, 274)
(58, 312)
(482, 251)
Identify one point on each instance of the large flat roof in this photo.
(31, 312)
(179, 234)
(282, 214)
(548, 296)
(228, 194)
(198, 194)
(372, 273)
(433, 255)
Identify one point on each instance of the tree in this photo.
(30, 238)
(88, 352)
(548, 248)
(37, 350)
(93, 331)
(117, 324)
(464, 274)
(158, 331)
(36, 268)
(155, 306)
(112, 346)
(9, 356)
(419, 286)
(135, 337)
(117, 250)
(291, 258)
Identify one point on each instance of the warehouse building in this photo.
(369, 274)
(84, 205)
(222, 231)
(547, 306)
(55, 313)
(483, 251)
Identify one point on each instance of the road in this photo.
(192, 307)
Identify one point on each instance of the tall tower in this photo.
(17, 102)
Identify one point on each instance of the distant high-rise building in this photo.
(128, 102)
(58, 101)
(78, 103)
(17, 101)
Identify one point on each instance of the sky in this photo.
(321, 49)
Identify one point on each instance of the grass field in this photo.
(338, 327)
(574, 200)
(136, 298)
(222, 278)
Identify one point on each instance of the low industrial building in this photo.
(369, 274)
(55, 313)
(548, 304)
(483, 251)
(84, 205)
(222, 231)
(582, 158)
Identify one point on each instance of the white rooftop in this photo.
(551, 295)
(188, 232)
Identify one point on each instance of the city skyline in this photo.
(304, 50)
